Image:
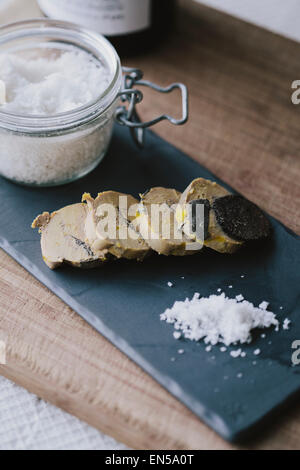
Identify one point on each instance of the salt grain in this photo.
(264, 305)
(177, 335)
(257, 352)
(170, 284)
(180, 351)
(240, 298)
(236, 354)
(286, 324)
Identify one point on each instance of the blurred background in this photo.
(275, 15)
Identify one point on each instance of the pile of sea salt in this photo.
(218, 319)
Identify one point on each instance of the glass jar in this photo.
(38, 150)
(58, 149)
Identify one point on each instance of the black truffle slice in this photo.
(196, 223)
(241, 219)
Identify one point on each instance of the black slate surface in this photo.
(123, 300)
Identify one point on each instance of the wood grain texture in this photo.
(244, 128)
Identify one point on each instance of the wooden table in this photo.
(243, 127)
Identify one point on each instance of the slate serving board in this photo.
(124, 299)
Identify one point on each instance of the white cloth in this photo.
(28, 423)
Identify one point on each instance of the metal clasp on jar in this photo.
(128, 116)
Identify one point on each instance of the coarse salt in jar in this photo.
(61, 90)
(59, 87)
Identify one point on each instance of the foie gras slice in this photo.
(158, 224)
(63, 238)
(207, 192)
(111, 220)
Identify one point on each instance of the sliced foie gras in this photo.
(110, 220)
(63, 238)
(206, 192)
(158, 225)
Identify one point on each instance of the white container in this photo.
(108, 17)
(58, 149)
